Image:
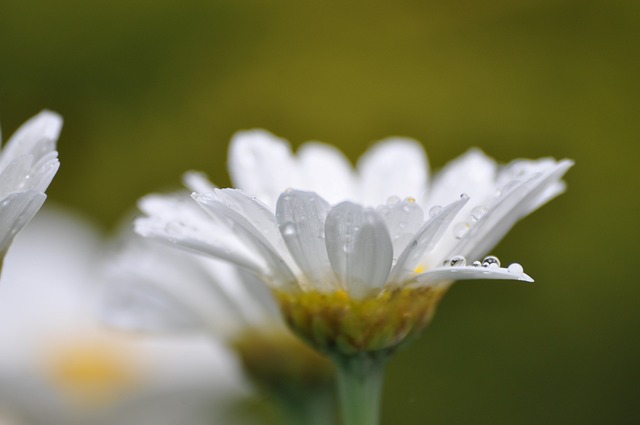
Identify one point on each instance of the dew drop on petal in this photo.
(208, 196)
(289, 229)
(458, 261)
(476, 263)
(435, 210)
(464, 196)
(478, 212)
(392, 200)
(461, 229)
(515, 268)
(491, 261)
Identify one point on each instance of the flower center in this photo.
(335, 323)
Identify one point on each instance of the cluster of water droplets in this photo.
(489, 262)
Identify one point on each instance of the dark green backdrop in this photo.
(151, 89)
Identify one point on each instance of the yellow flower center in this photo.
(336, 323)
(92, 372)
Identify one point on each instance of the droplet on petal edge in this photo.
(478, 212)
(458, 261)
(476, 263)
(461, 229)
(515, 268)
(491, 261)
(435, 210)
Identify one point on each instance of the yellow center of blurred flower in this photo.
(281, 362)
(335, 323)
(92, 372)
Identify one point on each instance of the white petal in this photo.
(179, 221)
(258, 215)
(513, 203)
(403, 219)
(326, 171)
(473, 173)
(393, 167)
(37, 136)
(262, 164)
(197, 182)
(279, 272)
(302, 216)
(359, 247)
(448, 274)
(425, 240)
(16, 210)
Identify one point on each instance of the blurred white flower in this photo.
(363, 250)
(152, 287)
(28, 163)
(58, 365)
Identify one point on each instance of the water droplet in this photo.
(476, 263)
(392, 200)
(445, 263)
(208, 196)
(289, 229)
(461, 229)
(491, 261)
(463, 196)
(515, 268)
(435, 210)
(458, 261)
(478, 212)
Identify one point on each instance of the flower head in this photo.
(60, 366)
(28, 163)
(155, 288)
(355, 267)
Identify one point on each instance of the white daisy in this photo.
(355, 267)
(28, 163)
(58, 365)
(156, 288)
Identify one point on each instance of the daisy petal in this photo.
(425, 240)
(447, 274)
(262, 164)
(197, 182)
(326, 171)
(16, 210)
(302, 216)
(278, 270)
(473, 173)
(359, 247)
(36, 136)
(393, 167)
(403, 219)
(177, 220)
(514, 203)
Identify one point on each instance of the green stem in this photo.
(360, 381)
(315, 408)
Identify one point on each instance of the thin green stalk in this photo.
(360, 380)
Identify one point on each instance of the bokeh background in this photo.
(151, 89)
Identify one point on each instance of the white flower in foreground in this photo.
(28, 163)
(60, 366)
(156, 288)
(354, 267)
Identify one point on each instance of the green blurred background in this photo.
(151, 89)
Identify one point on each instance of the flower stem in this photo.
(360, 381)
